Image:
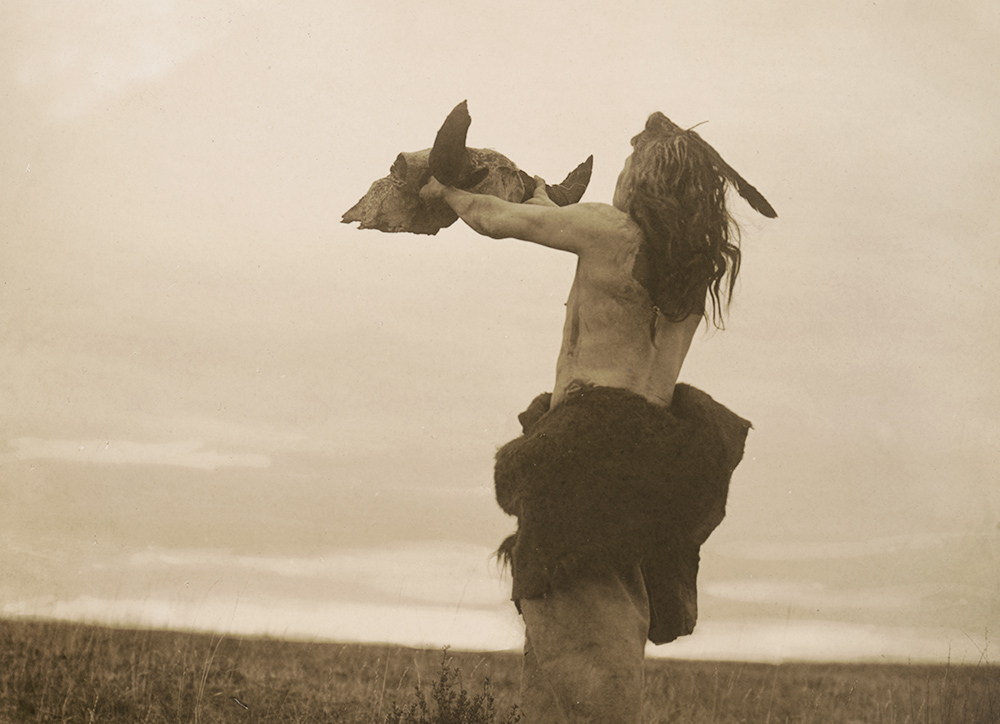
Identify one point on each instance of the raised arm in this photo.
(575, 228)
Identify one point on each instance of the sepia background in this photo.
(223, 409)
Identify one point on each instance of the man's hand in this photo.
(433, 190)
(540, 197)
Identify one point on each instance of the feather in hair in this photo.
(752, 196)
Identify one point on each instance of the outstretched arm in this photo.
(538, 219)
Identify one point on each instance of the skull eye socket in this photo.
(398, 168)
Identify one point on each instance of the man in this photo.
(621, 473)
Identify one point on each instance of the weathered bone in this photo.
(393, 203)
(450, 162)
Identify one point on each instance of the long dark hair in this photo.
(676, 193)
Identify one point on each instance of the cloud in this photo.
(78, 57)
(445, 574)
(783, 640)
(816, 596)
(797, 550)
(419, 594)
(425, 626)
(435, 626)
(124, 452)
(437, 594)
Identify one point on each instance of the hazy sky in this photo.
(216, 397)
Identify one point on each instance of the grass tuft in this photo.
(452, 703)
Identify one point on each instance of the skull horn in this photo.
(449, 161)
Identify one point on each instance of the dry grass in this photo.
(60, 672)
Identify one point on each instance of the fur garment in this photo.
(608, 478)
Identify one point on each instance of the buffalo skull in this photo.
(393, 203)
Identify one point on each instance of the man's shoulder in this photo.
(596, 208)
(603, 221)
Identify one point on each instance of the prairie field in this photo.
(65, 672)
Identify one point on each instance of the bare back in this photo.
(613, 335)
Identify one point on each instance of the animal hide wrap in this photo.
(608, 478)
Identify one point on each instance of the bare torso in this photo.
(613, 336)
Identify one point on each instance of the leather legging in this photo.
(583, 650)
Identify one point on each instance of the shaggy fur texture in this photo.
(607, 476)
